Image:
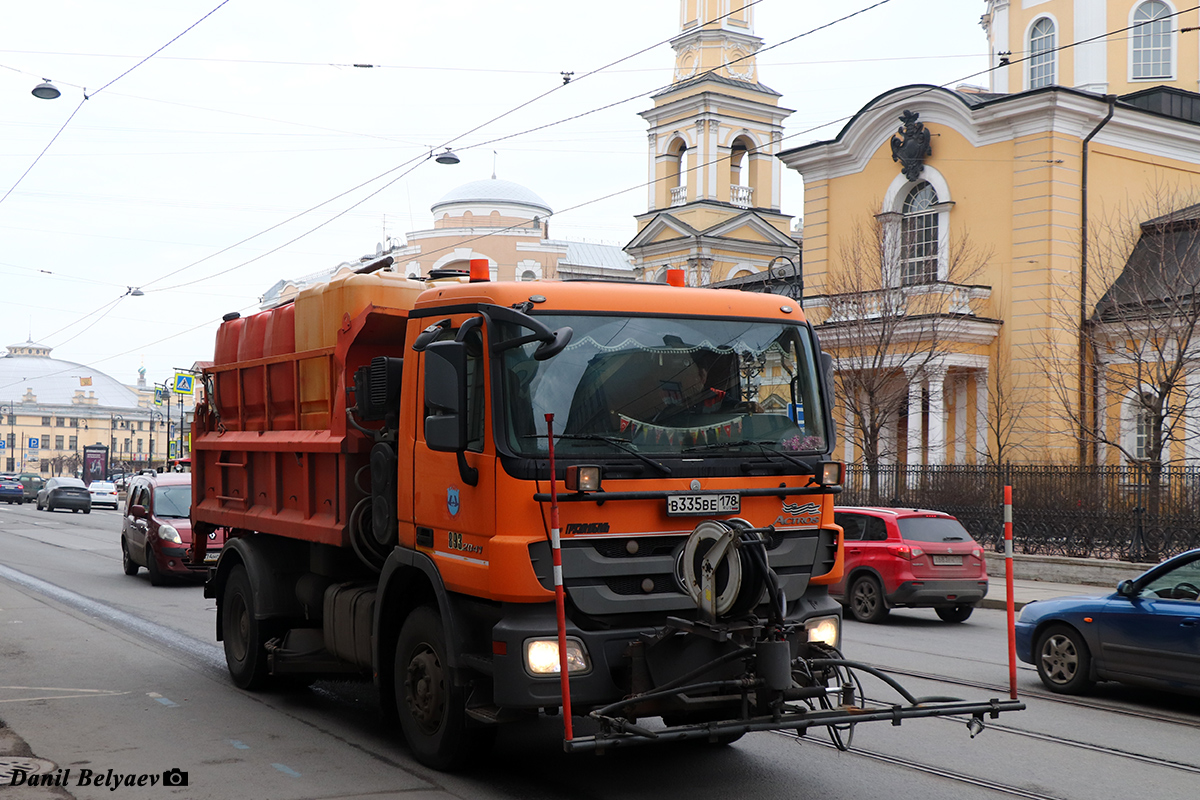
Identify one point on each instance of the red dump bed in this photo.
(271, 449)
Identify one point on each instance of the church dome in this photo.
(493, 193)
(28, 368)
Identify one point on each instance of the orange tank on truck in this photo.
(379, 455)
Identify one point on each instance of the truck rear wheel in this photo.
(432, 709)
(243, 634)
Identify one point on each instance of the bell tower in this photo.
(713, 137)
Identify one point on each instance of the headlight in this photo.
(824, 630)
(168, 534)
(541, 657)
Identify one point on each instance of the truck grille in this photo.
(602, 577)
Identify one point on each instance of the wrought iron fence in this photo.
(1132, 513)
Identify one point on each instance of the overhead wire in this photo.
(643, 184)
(58, 133)
(896, 102)
(421, 158)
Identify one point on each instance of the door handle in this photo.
(1189, 622)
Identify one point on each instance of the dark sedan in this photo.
(1147, 632)
(64, 493)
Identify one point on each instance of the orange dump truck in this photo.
(377, 453)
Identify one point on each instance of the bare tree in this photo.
(1142, 341)
(890, 322)
(1007, 409)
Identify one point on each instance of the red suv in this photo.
(908, 557)
(156, 532)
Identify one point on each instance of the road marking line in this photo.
(286, 770)
(239, 744)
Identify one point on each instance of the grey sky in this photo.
(258, 114)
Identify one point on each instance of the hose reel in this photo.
(716, 568)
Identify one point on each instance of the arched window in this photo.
(1151, 41)
(919, 236)
(1041, 53)
(741, 181)
(677, 172)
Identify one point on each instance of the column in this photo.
(937, 417)
(960, 418)
(1191, 446)
(915, 387)
(1102, 415)
(981, 415)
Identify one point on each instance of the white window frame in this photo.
(1131, 424)
(891, 219)
(1172, 42)
(1050, 52)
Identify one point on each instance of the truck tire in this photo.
(243, 634)
(432, 709)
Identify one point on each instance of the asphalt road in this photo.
(100, 671)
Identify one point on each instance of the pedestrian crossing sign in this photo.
(184, 383)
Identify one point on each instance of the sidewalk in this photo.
(1026, 591)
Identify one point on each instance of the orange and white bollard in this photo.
(560, 602)
(1012, 616)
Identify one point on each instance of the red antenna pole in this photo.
(560, 603)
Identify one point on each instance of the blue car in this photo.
(1147, 633)
(11, 491)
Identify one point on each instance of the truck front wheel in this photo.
(432, 709)
(243, 634)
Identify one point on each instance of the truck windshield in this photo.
(668, 386)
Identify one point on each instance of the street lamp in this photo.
(751, 366)
(46, 90)
(155, 415)
(112, 436)
(12, 419)
(792, 281)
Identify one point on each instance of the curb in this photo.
(16, 753)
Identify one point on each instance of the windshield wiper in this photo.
(620, 444)
(807, 470)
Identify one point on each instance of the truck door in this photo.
(454, 492)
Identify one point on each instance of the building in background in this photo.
(491, 219)
(714, 179)
(957, 243)
(51, 409)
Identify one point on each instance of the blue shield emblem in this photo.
(452, 501)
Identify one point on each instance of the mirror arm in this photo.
(469, 474)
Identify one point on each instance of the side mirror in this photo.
(446, 396)
(138, 512)
(1125, 589)
(551, 348)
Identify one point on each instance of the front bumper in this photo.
(930, 594)
(612, 673)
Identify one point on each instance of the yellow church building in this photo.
(714, 178)
(956, 242)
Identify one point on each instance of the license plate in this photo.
(687, 504)
(211, 558)
(947, 561)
